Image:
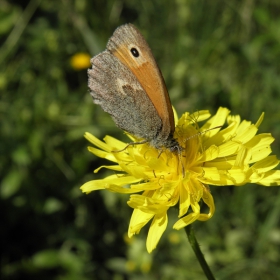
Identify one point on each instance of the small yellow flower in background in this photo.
(174, 238)
(130, 265)
(234, 155)
(80, 61)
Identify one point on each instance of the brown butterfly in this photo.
(127, 83)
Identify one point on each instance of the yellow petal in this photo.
(210, 154)
(121, 189)
(238, 176)
(98, 143)
(222, 136)
(105, 183)
(156, 230)
(185, 200)
(245, 135)
(147, 204)
(271, 178)
(115, 143)
(228, 149)
(266, 164)
(217, 120)
(208, 199)
(186, 220)
(233, 119)
(138, 220)
(146, 186)
(244, 125)
(260, 154)
(213, 176)
(243, 157)
(102, 154)
(91, 186)
(175, 116)
(199, 116)
(111, 167)
(258, 123)
(221, 163)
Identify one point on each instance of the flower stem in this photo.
(198, 253)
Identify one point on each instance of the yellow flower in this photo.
(80, 61)
(158, 180)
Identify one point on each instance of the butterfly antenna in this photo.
(203, 132)
(130, 144)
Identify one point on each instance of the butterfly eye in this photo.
(134, 52)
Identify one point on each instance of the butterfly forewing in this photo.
(119, 93)
(124, 41)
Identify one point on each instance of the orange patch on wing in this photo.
(153, 83)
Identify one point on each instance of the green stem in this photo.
(198, 253)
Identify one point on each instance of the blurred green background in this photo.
(211, 53)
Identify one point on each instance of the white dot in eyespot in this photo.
(135, 49)
(134, 52)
